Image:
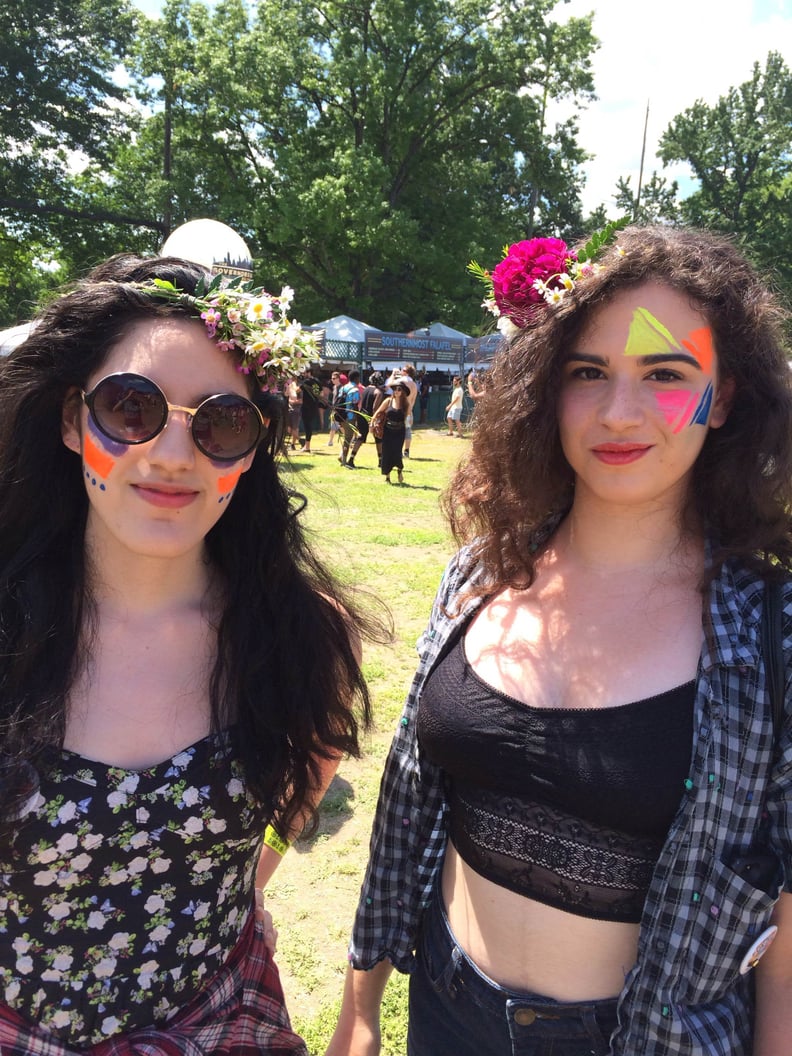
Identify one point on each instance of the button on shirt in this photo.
(685, 995)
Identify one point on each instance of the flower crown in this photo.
(537, 272)
(246, 320)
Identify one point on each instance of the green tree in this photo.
(58, 96)
(739, 150)
(422, 143)
(658, 202)
(60, 106)
(365, 150)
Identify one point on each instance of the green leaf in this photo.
(600, 239)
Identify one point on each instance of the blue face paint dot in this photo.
(102, 487)
(93, 481)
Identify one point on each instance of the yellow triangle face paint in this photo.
(648, 336)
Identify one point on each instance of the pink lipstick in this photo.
(164, 496)
(620, 454)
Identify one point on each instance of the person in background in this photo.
(454, 409)
(584, 837)
(336, 415)
(294, 396)
(312, 405)
(349, 402)
(372, 397)
(393, 410)
(475, 386)
(406, 376)
(327, 396)
(424, 392)
(152, 568)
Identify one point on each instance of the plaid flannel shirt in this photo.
(685, 995)
(240, 1012)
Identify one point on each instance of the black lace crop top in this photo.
(566, 806)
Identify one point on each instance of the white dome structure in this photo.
(213, 245)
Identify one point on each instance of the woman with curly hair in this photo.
(162, 732)
(584, 836)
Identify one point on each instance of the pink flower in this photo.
(514, 280)
(211, 318)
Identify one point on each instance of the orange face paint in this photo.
(97, 460)
(229, 481)
(699, 344)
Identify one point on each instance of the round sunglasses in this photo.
(131, 409)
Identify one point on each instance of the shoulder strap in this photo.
(772, 638)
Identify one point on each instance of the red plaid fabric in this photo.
(240, 1012)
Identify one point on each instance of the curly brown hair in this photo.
(515, 480)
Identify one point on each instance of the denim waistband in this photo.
(523, 1009)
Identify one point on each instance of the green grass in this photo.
(391, 542)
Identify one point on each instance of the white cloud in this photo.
(668, 55)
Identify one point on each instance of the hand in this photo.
(264, 917)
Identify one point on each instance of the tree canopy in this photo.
(365, 149)
(740, 151)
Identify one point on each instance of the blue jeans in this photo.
(456, 1010)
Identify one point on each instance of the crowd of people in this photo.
(583, 841)
(349, 412)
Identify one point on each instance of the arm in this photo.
(773, 1027)
(357, 1032)
(270, 859)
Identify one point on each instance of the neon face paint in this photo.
(99, 455)
(647, 338)
(699, 343)
(685, 407)
(227, 483)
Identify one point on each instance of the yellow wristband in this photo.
(273, 840)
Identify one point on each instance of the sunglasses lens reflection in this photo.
(130, 409)
(226, 427)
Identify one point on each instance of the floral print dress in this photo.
(123, 891)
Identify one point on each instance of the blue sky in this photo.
(668, 54)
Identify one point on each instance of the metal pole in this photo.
(640, 171)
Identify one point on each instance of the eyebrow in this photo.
(645, 361)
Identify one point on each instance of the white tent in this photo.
(14, 336)
(345, 328)
(441, 330)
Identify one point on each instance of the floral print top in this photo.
(122, 892)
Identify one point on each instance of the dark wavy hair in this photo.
(288, 705)
(516, 483)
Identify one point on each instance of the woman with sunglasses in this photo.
(583, 843)
(158, 710)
